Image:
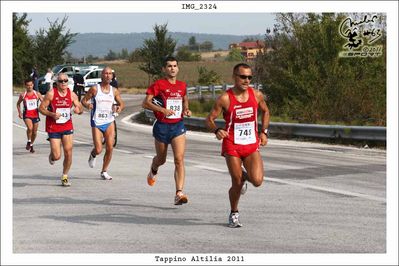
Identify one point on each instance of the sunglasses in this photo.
(62, 81)
(244, 77)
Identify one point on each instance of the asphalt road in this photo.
(316, 198)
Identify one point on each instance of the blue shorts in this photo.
(34, 120)
(164, 132)
(102, 128)
(58, 135)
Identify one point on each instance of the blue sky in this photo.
(212, 23)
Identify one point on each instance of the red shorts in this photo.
(241, 151)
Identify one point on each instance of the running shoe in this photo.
(64, 181)
(27, 147)
(234, 220)
(106, 176)
(31, 149)
(151, 178)
(245, 186)
(50, 159)
(92, 161)
(180, 198)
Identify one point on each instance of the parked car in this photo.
(68, 69)
(92, 78)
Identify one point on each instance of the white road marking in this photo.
(268, 179)
(292, 183)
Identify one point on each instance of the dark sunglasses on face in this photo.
(62, 81)
(245, 77)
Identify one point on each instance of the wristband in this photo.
(266, 132)
(217, 130)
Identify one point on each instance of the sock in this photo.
(93, 154)
(233, 211)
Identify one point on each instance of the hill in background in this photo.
(99, 44)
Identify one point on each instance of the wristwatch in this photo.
(266, 131)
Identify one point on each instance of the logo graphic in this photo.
(361, 35)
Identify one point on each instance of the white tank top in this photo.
(102, 111)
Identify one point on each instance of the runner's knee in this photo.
(179, 161)
(257, 180)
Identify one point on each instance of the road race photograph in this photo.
(199, 133)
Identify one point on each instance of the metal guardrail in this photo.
(304, 130)
(213, 88)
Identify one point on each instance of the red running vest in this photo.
(61, 105)
(242, 119)
(30, 105)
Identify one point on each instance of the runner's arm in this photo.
(265, 117)
(120, 103)
(45, 103)
(147, 104)
(78, 106)
(20, 100)
(86, 101)
(221, 103)
(186, 110)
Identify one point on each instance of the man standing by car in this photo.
(100, 100)
(47, 79)
(59, 122)
(240, 146)
(78, 83)
(35, 76)
(169, 127)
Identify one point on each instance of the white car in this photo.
(92, 77)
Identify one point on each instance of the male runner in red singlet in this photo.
(30, 113)
(169, 127)
(241, 139)
(59, 122)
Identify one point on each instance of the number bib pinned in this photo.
(103, 116)
(244, 133)
(176, 105)
(31, 104)
(65, 115)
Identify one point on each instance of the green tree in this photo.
(111, 55)
(235, 55)
(208, 77)
(124, 54)
(184, 54)
(23, 57)
(308, 81)
(206, 46)
(135, 56)
(192, 44)
(50, 45)
(154, 51)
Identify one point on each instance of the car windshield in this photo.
(84, 72)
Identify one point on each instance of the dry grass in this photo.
(130, 76)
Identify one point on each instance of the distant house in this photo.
(249, 49)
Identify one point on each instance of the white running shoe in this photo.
(234, 220)
(92, 161)
(64, 181)
(106, 176)
(245, 177)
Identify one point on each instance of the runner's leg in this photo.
(234, 166)
(109, 136)
(254, 165)
(67, 143)
(178, 147)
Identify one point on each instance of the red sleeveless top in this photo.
(30, 105)
(60, 104)
(172, 97)
(242, 119)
